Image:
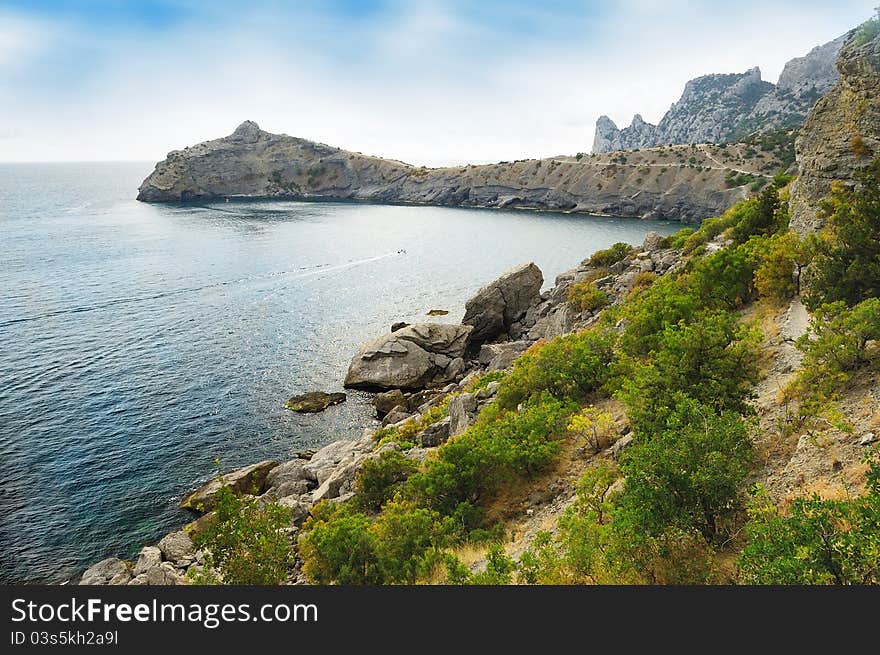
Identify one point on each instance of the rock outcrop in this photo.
(498, 306)
(246, 480)
(724, 107)
(413, 357)
(841, 134)
(253, 163)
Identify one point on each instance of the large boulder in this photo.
(500, 304)
(177, 548)
(329, 458)
(108, 571)
(149, 557)
(410, 358)
(249, 479)
(289, 479)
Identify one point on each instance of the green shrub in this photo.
(779, 263)
(723, 279)
(688, 474)
(816, 542)
(838, 344)
(611, 255)
(867, 31)
(847, 264)
(340, 545)
(246, 541)
(712, 360)
(379, 478)
(586, 296)
(762, 216)
(676, 240)
(668, 301)
(570, 366)
(501, 446)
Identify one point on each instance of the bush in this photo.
(686, 475)
(340, 545)
(611, 255)
(379, 478)
(501, 446)
(816, 542)
(867, 31)
(586, 296)
(246, 541)
(594, 426)
(779, 263)
(678, 239)
(712, 360)
(837, 345)
(762, 216)
(667, 302)
(570, 366)
(723, 279)
(847, 264)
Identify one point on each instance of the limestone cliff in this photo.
(715, 108)
(685, 183)
(842, 133)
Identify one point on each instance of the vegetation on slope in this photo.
(674, 507)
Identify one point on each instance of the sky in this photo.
(430, 82)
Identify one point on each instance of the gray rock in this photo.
(824, 147)
(248, 479)
(299, 509)
(716, 108)
(462, 408)
(411, 358)
(287, 478)
(149, 557)
(164, 574)
(105, 571)
(399, 325)
(498, 356)
(177, 548)
(396, 415)
(501, 303)
(434, 434)
(314, 401)
(326, 460)
(488, 391)
(651, 242)
(385, 402)
(867, 439)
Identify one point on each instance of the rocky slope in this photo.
(842, 133)
(680, 183)
(724, 107)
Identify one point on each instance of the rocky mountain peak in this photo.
(247, 132)
(725, 106)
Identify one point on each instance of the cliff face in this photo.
(841, 134)
(716, 108)
(685, 183)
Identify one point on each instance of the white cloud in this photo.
(22, 38)
(419, 88)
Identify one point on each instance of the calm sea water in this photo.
(140, 342)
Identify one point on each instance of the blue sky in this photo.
(431, 82)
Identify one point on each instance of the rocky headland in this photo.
(685, 183)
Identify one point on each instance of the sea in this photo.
(144, 347)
